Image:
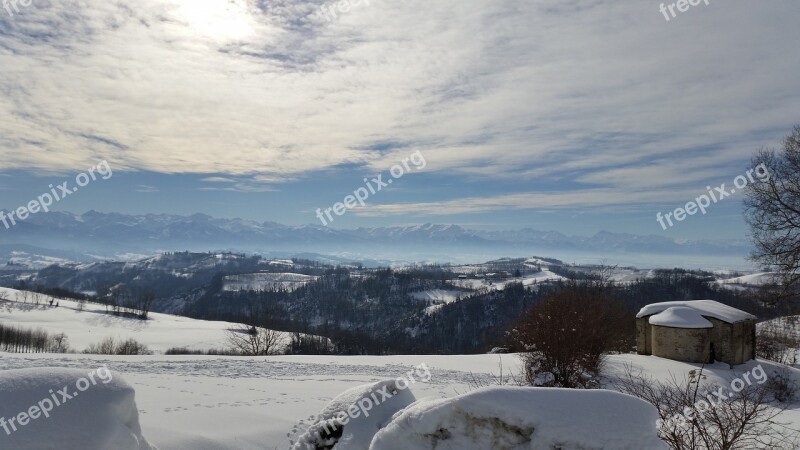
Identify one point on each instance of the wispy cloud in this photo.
(620, 199)
(602, 95)
(145, 189)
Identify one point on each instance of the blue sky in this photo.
(576, 116)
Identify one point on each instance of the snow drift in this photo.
(98, 415)
(515, 418)
(360, 424)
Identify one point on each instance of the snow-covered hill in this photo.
(91, 325)
(750, 280)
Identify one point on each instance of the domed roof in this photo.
(680, 317)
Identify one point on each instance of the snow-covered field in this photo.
(90, 326)
(220, 403)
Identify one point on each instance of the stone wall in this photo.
(733, 343)
(681, 344)
(643, 334)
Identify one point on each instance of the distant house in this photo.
(696, 331)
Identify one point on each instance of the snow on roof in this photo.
(680, 317)
(706, 308)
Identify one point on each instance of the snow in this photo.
(98, 416)
(472, 284)
(707, 308)
(680, 317)
(369, 416)
(90, 326)
(755, 279)
(524, 418)
(529, 280)
(249, 403)
(439, 295)
(544, 275)
(266, 281)
(237, 403)
(538, 262)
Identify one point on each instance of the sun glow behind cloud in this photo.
(223, 20)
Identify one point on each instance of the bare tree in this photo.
(59, 343)
(563, 339)
(255, 341)
(690, 419)
(144, 302)
(772, 209)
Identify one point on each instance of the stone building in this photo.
(696, 331)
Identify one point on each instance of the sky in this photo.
(569, 115)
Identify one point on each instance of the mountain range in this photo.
(108, 235)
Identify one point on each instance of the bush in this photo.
(782, 385)
(778, 343)
(132, 347)
(744, 420)
(564, 338)
(109, 346)
(209, 352)
(59, 344)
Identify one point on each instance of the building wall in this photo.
(681, 344)
(724, 344)
(643, 333)
(733, 343)
(743, 337)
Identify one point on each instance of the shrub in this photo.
(564, 338)
(109, 346)
(782, 385)
(778, 343)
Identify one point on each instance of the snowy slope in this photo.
(439, 295)
(529, 280)
(90, 326)
(754, 279)
(266, 281)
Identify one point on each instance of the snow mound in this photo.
(351, 420)
(706, 308)
(98, 416)
(513, 418)
(680, 317)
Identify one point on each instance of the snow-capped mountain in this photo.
(108, 234)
